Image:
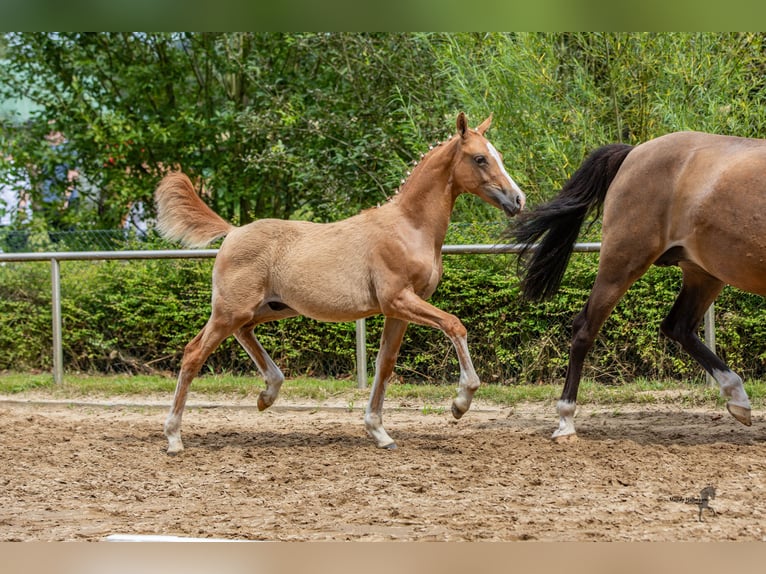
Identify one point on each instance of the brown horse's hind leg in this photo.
(391, 340)
(271, 373)
(195, 354)
(611, 284)
(698, 292)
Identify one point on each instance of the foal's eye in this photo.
(480, 160)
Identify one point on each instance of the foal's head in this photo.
(478, 169)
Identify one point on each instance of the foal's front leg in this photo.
(469, 380)
(414, 309)
(391, 341)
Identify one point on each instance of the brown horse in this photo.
(690, 199)
(383, 260)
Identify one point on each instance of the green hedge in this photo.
(136, 316)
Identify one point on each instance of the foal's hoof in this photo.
(456, 412)
(263, 404)
(564, 438)
(390, 446)
(175, 446)
(174, 451)
(742, 414)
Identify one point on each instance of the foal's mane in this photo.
(417, 165)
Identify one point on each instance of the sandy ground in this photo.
(302, 473)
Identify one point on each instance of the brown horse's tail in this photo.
(183, 216)
(556, 224)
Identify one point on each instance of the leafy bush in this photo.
(137, 316)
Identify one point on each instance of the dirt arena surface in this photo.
(303, 473)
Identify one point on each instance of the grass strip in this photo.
(217, 387)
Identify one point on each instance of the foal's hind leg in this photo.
(698, 292)
(391, 341)
(271, 373)
(195, 354)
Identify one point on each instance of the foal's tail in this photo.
(183, 216)
(558, 222)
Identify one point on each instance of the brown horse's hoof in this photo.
(742, 414)
(565, 438)
(456, 412)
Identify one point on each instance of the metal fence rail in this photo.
(361, 350)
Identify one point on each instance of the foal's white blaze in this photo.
(566, 410)
(496, 156)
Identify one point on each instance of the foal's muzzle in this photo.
(511, 201)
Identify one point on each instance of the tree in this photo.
(557, 96)
(321, 125)
(286, 125)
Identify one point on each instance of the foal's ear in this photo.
(462, 124)
(485, 125)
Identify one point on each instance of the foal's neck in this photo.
(427, 197)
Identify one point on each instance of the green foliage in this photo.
(556, 96)
(303, 124)
(25, 316)
(320, 125)
(137, 316)
(317, 126)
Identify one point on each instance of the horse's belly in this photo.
(330, 301)
(339, 313)
(743, 266)
(735, 253)
(751, 278)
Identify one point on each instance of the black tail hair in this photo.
(558, 221)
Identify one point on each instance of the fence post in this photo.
(361, 353)
(58, 354)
